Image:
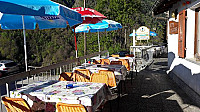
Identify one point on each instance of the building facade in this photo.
(183, 43)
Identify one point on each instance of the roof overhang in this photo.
(196, 5)
(163, 6)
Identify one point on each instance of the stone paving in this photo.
(152, 91)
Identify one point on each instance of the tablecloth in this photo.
(131, 60)
(45, 94)
(120, 71)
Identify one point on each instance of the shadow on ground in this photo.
(152, 91)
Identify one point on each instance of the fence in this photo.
(44, 73)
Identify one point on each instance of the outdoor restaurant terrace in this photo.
(128, 81)
(147, 89)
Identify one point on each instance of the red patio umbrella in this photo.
(89, 16)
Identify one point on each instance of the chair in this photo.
(82, 75)
(66, 76)
(126, 63)
(96, 61)
(99, 78)
(111, 77)
(112, 84)
(105, 61)
(63, 107)
(115, 55)
(115, 63)
(16, 105)
(129, 55)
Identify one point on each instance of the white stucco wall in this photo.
(172, 44)
(187, 71)
(190, 33)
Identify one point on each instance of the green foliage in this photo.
(132, 14)
(45, 47)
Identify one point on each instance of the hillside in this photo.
(45, 47)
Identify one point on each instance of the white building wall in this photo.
(190, 33)
(172, 44)
(187, 71)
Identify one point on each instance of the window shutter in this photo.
(181, 34)
(196, 31)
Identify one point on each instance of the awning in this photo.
(163, 6)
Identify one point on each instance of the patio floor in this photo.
(153, 91)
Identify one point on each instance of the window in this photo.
(10, 64)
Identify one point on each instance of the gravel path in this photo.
(152, 91)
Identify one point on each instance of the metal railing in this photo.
(143, 56)
(50, 72)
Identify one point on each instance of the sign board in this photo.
(142, 33)
(173, 27)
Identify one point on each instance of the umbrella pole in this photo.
(84, 3)
(85, 45)
(99, 44)
(85, 40)
(24, 32)
(75, 43)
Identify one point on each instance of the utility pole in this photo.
(85, 39)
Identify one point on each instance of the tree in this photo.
(49, 46)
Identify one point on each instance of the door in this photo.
(181, 34)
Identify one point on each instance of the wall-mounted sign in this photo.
(142, 33)
(173, 27)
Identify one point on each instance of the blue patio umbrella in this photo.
(29, 7)
(153, 33)
(150, 33)
(82, 28)
(131, 35)
(104, 25)
(40, 8)
(10, 21)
